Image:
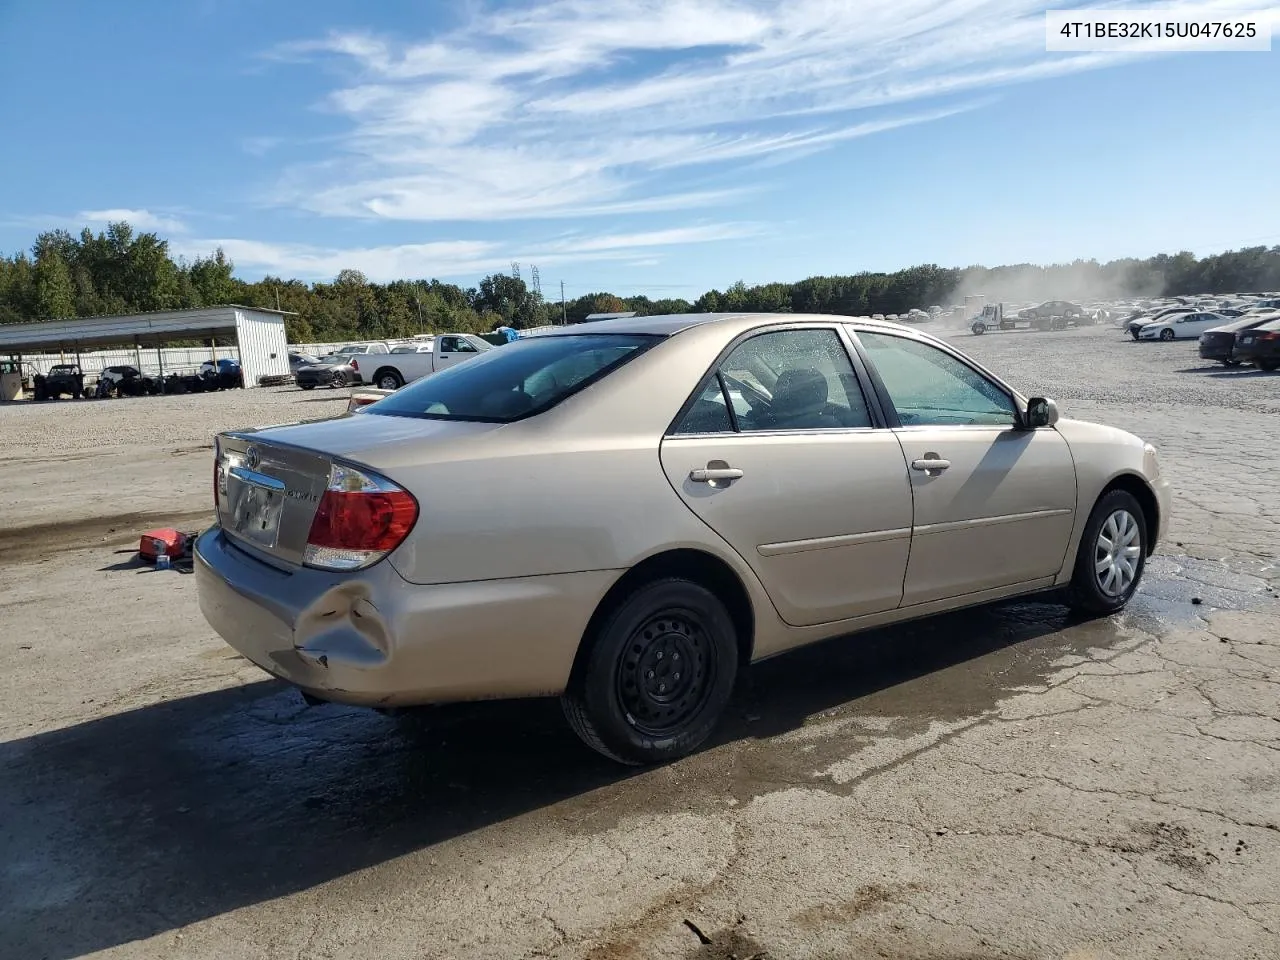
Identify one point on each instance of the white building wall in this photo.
(264, 350)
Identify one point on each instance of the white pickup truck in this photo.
(410, 361)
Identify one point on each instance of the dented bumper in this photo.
(371, 638)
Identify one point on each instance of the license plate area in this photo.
(257, 501)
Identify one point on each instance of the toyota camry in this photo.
(626, 513)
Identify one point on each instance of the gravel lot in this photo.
(1002, 782)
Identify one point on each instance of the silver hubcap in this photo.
(1117, 553)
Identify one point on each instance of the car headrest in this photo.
(803, 388)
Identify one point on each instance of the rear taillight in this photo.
(355, 364)
(1270, 335)
(361, 518)
(219, 478)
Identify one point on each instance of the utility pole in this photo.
(563, 320)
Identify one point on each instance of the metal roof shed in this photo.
(259, 333)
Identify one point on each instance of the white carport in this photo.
(259, 334)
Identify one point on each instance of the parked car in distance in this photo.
(1260, 346)
(1181, 326)
(62, 378)
(297, 360)
(1051, 310)
(1136, 325)
(683, 510)
(224, 375)
(362, 349)
(335, 370)
(124, 380)
(1219, 343)
(409, 362)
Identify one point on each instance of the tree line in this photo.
(119, 270)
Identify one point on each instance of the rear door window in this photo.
(781, 380)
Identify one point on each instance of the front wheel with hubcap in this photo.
(657, 674)
(1111, 556)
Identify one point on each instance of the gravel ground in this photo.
(999, 783)
(89, 426)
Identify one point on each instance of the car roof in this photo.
(668, 324)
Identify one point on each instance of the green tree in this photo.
(212, 279)
(578, 310)
(55, 295)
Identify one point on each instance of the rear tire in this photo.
(1108, 570)
(388, 380)
(1267, 365)
(656, 676)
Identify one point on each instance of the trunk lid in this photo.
(271, 479)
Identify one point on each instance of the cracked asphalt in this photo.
(1001, 782)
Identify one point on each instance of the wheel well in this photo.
(1135, 485)
(385, 369)
(695, 565)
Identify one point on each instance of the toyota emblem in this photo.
(252, 458)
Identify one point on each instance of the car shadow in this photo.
(137, 823)
(1243, 373)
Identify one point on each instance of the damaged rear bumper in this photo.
(372, 638)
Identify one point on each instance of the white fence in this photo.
(92, 362)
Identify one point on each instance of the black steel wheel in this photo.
(667, 668)
(652, 682)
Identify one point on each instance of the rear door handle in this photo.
(930, 464)
(715, 473)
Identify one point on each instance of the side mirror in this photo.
(1041, 412)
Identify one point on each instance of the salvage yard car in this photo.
(409, 362)
(1260, 345)
(335, 370)
(62, 378)
(1180, 326)
(626, 516)
(1219, 343)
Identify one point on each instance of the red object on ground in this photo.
(167, 541)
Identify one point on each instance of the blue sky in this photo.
(654, 146)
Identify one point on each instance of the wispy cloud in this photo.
(260, 146)
(580, 107)
(455, 258)
(138, 219)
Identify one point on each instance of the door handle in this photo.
(930, 464)
(711, 474)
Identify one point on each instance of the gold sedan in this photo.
(627, 513)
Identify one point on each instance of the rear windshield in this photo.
(523, 378)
